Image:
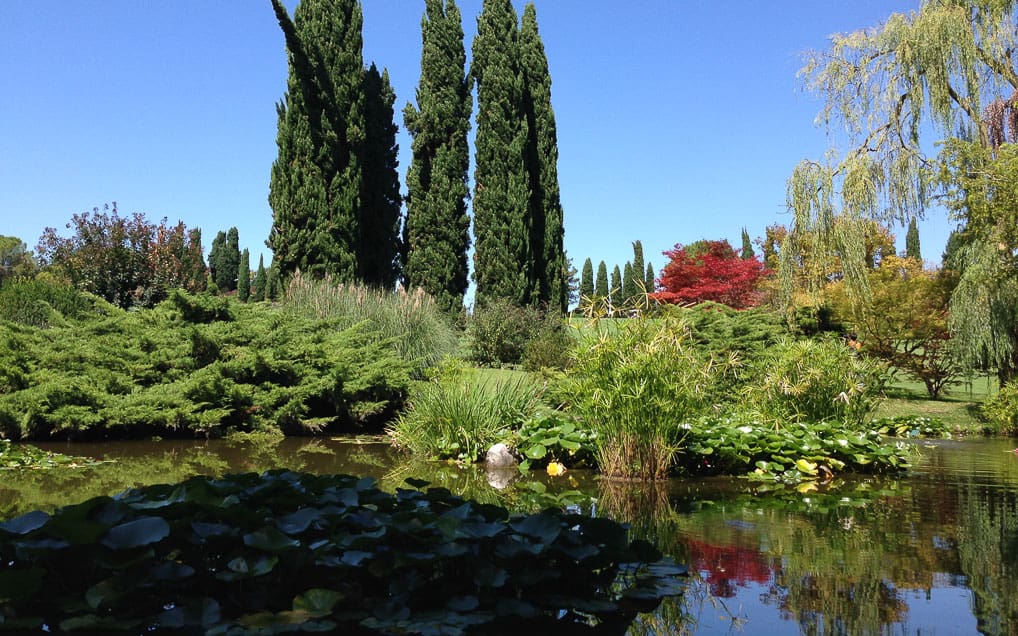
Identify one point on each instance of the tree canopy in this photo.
(710, 271)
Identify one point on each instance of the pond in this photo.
(933, 552)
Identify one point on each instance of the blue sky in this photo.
(677, 120)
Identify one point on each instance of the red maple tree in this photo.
(710, 270)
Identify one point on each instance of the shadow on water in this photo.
(933, 552)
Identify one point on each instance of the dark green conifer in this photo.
(638, 267)
(747, 246)
(629, 288)
(244, 276)
(601, 284)
(649, 280)
(228, 263)
(378, 242)
(912, 248)
(616, 286)
(216, 251)
(273, 285)
(587, 280)
(260, 281)
(503, 257)
(316, 179)
(436, 235)
(547, 232)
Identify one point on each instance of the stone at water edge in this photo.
(499, 455)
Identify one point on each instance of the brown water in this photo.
(933, 552)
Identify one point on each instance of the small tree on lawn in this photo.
(710, 270)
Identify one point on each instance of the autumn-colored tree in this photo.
(710, 270)
(905, 320)
(125, 260)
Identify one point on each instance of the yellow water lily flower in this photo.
(555, 469)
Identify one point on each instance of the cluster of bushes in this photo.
(694, 390)
(193, 365)
(502, 334)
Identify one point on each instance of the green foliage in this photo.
(317, 178)
(458, 415)
(814, 381)
(601, 285)
(746, 252)
(196, 366)
(39, 302)
(633, 384)
(912, 426)
(1002, 409)
(318, 556)
(412, 323)
(224, 260)
(550, 345)
(587, 281)
(26, 456)
(436, 233)
(16, 260)
(912, 246)
(260, 281)
(244, 277)
(553, 437)
(499, 332)
(801, 451)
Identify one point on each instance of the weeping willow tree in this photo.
(927, 105)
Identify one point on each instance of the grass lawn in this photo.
(957, 406)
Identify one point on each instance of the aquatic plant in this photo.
(289, 552)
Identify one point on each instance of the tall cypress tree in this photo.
(316, 179)
(503, 256)
(638, 268)
(587, 280)
(649, 280)
(629, 289)
(616, 286)
(747, 246)
(912, 248)
(547, 232)
(244, 276)
(601, 285)
(228, 265)
(436, 234)
(260, 281)
(378, 230)
(216, 252)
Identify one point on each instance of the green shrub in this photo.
(553, 437)
(814, 380)
(912, 426)
(633, 383)
(458, 415)
(550, 346)
(414, 324)
(1002, 409)
(40, 303)
(499, 331)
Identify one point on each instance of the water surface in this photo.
(933, 552)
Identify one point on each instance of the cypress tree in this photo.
(649, 280)
(547, 233)
(638, 268)
(587, 280)
(436, 234)
(228, 261)
(378, 240)
(260, 281)
(747, 246)
(616, 286)
(316, 180)
(601, 285)
(216, 253)
(912, 248)
(273, 286)
(244, 276)
(629, 289)
(503, 257)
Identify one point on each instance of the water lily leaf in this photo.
(355, 557)
(481, 530)
(544, 527)
(297, 522)
(419, 484)
(806, 466)
(205, 530)
(270, 540)
(139, 532)
(107, 589)
(515, 607)
(317, 602)
(171, 571)
(569, 444)
(537, 451)
(490, 576)
(201, 613)
(26, 523)
(19, 584)
(464, 603)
